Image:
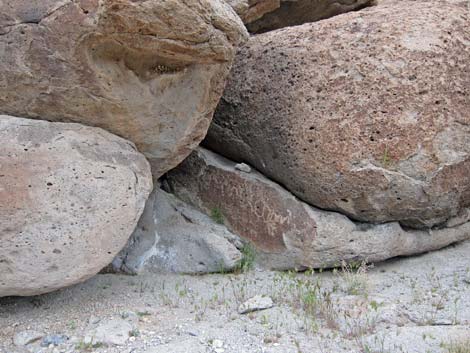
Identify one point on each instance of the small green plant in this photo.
(374, 305)
(310, 297)
(88, 347)
(134, 333)
(386, 158)
(355, 276)
(248, 258)
(217, 215)
(143, 313)
(200, 310)
(72, 325)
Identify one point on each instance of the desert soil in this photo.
(417, 304)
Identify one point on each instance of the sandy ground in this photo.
(418, 304)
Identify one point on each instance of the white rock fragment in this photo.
(243, 167)
(256, 303)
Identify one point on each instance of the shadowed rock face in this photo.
(172, 236)
(149, 71)
(286, 232)
(252, 10)
(71, 196)
(267, 15)
(366, 114)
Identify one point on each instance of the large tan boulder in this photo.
(70, 196)
(366, 113)
(286, 232)
(296, 12)
(151, 71)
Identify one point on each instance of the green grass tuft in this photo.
(217, 215)
(248, 258)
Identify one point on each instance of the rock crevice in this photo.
(288, 233)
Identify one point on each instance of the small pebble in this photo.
(243, 167)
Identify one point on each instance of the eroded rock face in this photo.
(286, 232)
(150, 71)
(70, 196)
(251, 206)
(296, 12)
(366, 114)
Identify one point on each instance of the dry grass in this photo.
(458, 347)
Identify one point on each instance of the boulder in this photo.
(365, 114)
(151, 71)
(174, 237)
(70, 196)
(296, 12)
(286, 232)
(266, 15)
(252, 10)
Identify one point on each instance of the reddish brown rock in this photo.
(276, 223)
(252, 10)
(366, 113)
(296, 12)
(286, 232)
(151, 71)
(266, 15)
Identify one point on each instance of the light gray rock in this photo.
(288, 233)
(142, 244)
(54, 339)
(174, 237)
(151, 71)
(256, 303)
(71, 197)
(191, 242)
(24, 338)
(243, 167)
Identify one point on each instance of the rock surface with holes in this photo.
(289, 13)
(70, 196)
(365, 114)
(286, 232)
(151, 71)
